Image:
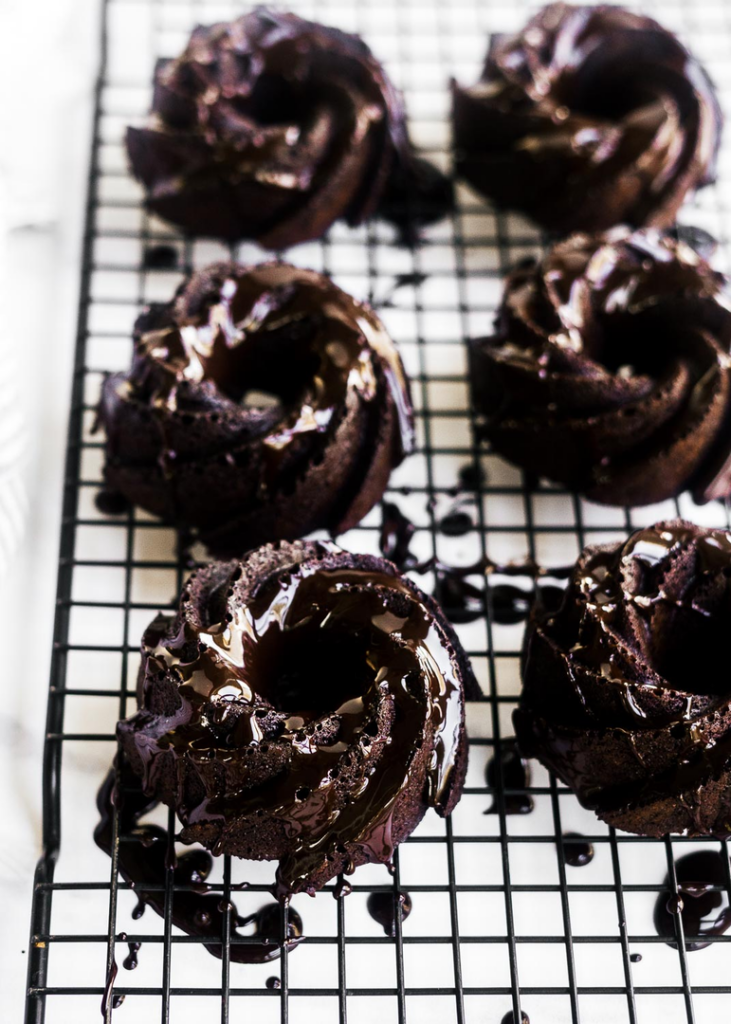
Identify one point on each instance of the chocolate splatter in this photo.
(702, 901)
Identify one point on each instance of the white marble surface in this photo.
(43, 174)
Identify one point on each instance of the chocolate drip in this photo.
(509, 1018)
(577, 850)
(130, 962)
(461, 600)
(703, 900)
(385, 906)
(515, 775)
(395, 537)
(143, 861)
(268, 926)
(273, 983)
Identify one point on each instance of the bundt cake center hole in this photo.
(269, 368)
(272, 101)
(314, 672)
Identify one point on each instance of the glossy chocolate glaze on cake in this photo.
(262, 403)
(303, 705)
(609, 370)
(587, 118)
(271, 127)
(625, 694)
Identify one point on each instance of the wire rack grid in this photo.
(500, 922)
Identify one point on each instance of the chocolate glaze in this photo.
(271, 127)
(382, 906)
(516, 774)
(703, 901)
(635, 957)
(591, 116)
(330, 411)
(247, 724)
(609, 370)
(273, 983)
(577, 850)
(622, 696)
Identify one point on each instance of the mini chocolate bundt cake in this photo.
(589, 117)
(271, 127)
(328, 413)
(609, 370)
(625, 688)
(304, 705)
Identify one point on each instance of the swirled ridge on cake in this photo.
(587, 118)
(303, 705)
(271, 127)
(609, 369)
(330, 414)
(625, 690)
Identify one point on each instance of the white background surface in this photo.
(46, 77)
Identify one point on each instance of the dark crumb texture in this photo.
(587, 118)
(304, 705)
(262, 403)
(271, 127)
(625, 693)
(609, 370)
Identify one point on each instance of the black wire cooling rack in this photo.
(501, 922)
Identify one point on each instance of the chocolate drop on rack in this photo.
(382, 908)
(577, 850)
(456, 523)
(130, 962)
(635, 957)
(704, 909)
(273, 983)
(160, 257)
(109, 503)
(516, 775)
(509, 1018)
